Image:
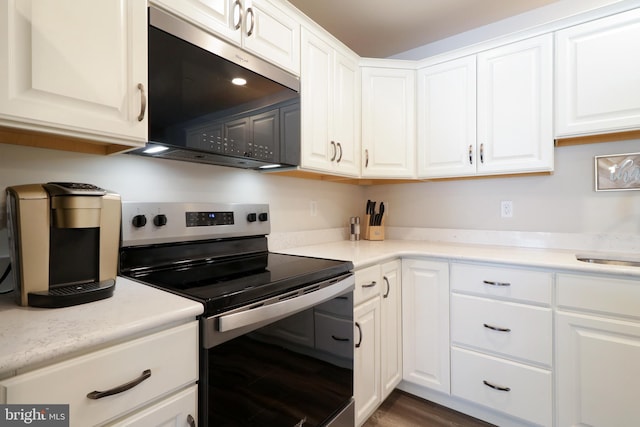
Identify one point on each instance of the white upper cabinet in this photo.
(447, 118)
(256, 25)
(515, 107)
(272, 34)
(75, 68)
(598, 76)
(388, 121)
(330, 97)
(223, 17)
(489, 113)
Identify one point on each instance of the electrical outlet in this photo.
(313, 208)
(506, 209)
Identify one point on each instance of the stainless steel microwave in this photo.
(211, 102)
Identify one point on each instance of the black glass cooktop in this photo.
(224, 283)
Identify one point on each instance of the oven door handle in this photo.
(281, 309)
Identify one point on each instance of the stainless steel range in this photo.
(277, 330)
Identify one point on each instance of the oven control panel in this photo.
(145, 223)
(207, 219)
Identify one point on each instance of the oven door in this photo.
(295, 371)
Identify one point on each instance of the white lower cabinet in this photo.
(178, 410)
(425, 324)
(377, 336)
(164, 365)
(501, 340)
(597, 351)
(512, 388)
(367, 388)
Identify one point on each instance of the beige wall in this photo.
(143, 179)
(563, 202)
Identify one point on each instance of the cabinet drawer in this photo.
(334, 335)
(604, 294)
(510, 283)
(172, 411)
(368, 284)
(527, 393)
(515, 330)
(171, 356)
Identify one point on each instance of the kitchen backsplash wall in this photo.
(142, 179)
(564, 202)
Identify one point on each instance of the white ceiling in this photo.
(381, 28)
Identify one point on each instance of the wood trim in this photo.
(319, 176)
(31, 138)
(592, 139)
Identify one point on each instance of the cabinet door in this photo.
(221, 17)
(515, 84)
(598, 375)
(391, 326)
(367, 359)
(175, 411)
(346, 113)
(425, 327)
(388, 122)
(447, 119)
(272, 34)
(315, 98)
(66, 74)
(598, 76)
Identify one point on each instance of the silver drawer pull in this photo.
(495, 328)
(488, 282)
(143, 102)
(386, 294)
(495, 387)
(94, 395)
(370, 285)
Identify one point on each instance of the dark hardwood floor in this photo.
(404, 410)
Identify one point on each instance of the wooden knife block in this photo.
(373, 232)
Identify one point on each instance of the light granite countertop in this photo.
(33, 337)
(363, 253)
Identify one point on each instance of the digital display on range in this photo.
(204, 219)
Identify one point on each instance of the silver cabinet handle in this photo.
(237, 6)
(481, 153)
(366, 156)
(495, 387)
(489, 282)
(340, 148)
(143, 102)
(251, 13)
(370, 285)
(335, 151)
(496, 328)
(359, 334)
(388, 287)
(95, 395)
(470, 154)
(191, 421)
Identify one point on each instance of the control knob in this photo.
(252, 217)
(263, 217)
(139, 221)
(160, 220)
